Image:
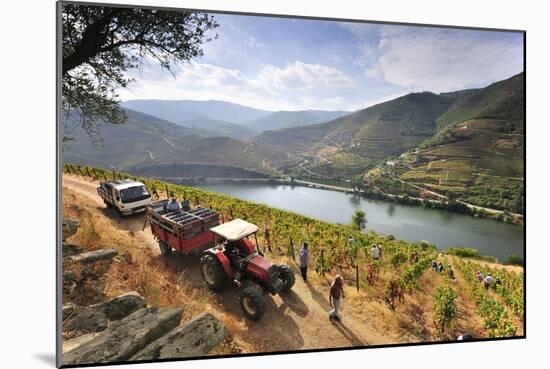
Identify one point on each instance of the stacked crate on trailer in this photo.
(186, 230)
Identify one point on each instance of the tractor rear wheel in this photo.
(165, 249)
(212, 272)
(252, 302)
(287, 276)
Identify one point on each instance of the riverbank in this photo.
(459, 207)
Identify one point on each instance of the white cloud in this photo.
(254, 43)
(445, 60)
(271, 88)
(300, 75)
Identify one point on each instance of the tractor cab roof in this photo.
(235, 230)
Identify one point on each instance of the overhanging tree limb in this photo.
(100, 44)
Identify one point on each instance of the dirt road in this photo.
(293, 321)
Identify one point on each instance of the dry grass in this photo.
(137, 268)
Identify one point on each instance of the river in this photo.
(410, 223)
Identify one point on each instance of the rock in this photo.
(69, 227)
(95, 318)
(68, 287)
(194, 338)
(69, 275)
(87, 320)
(73, 343)
(92, 256)
(125, 337)
(67, 310)
(69, 250)
(121, 306)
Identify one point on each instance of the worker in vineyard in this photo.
(479, 276)
(376, 252)
(304, 260)
(434, 265)
(451, 273)
(414, 257)
(488, 281)
(173, 205)
(440, 267)
(335, 295)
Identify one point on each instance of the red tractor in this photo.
(236, 259)
(227, 253)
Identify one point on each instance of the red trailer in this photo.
(186, 230)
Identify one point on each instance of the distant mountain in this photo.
(289, 119)
(140, 138)
(220, 115)
(182, 110)
(219, 127)
(374, 133)
(146, 140)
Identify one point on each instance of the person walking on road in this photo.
(335, 296)
(304, 260)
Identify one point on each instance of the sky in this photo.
(298, 64)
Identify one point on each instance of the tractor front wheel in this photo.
(252, 302)
(287, 276)
(165, 249)
(212, 272)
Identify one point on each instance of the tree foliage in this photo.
(101, 44)
(358, 219)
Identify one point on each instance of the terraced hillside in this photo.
(478, 156)
(371, 134)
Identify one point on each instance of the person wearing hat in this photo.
(173, 205)
(304, 260)
(479, 276)
(335, 296)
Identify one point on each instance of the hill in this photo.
(289, 119)
(181, 110)
(346, 146)
(145, 140)
(477, 154)
(219, 127)
(373, 133)
(502, 100)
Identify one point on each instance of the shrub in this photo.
(358, 219)
(467, 252)
(398, 258)
(445, 308)
(514, 260)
